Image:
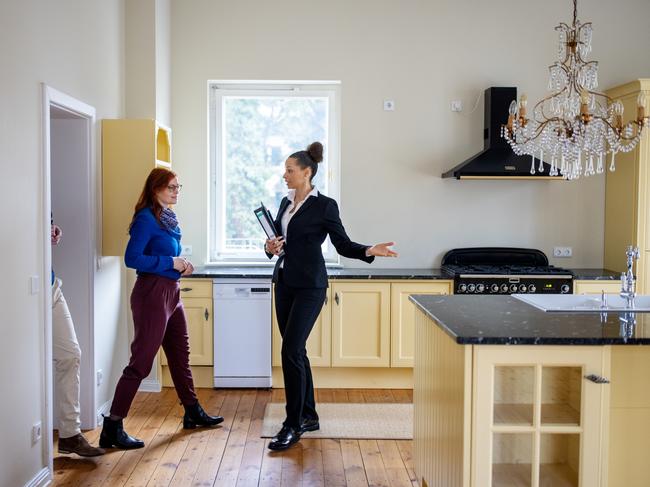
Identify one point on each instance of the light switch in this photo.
(34, 284)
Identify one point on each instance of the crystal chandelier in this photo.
(575, 127)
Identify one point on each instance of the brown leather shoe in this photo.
(79, 445)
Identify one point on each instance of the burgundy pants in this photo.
(158, 319)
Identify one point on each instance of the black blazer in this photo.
(304, 266)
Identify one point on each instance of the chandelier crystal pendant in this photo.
(575, 127)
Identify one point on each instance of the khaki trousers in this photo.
(66, 356)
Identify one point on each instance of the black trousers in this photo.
(296, 310)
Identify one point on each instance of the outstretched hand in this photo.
(382, 250)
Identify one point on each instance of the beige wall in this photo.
(74, 46)
(422, 54)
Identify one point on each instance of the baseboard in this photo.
(355, 377)
(150, 385)
(42, 478)
(104, 409)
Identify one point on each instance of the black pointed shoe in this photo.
(286, 437)
(196, 416)
(113, 435)
(309, 425)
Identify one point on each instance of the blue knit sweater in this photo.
(152, 248)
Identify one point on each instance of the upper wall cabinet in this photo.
(627, 195)
(130, 150)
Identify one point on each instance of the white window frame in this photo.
(216, 182)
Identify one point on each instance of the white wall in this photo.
(422, 54)
(75, 46)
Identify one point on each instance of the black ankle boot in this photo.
(196, 416)
(113, 435)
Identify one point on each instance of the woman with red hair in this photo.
(158, 314)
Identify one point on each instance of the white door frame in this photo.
(55, 98)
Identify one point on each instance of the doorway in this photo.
(70, 195)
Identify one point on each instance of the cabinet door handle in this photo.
(336, 298)
(206, 314)
(326, 299)
(598, 379)
(186, 289)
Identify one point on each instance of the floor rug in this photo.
(364, 421)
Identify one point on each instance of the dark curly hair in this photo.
(310, 157)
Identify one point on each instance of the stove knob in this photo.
(532, 288)
(522, 288)
(504, 288)
(513, 288)
(564, 289)
(494, 288)
(480, 288)
(471, 288)
(462, 288)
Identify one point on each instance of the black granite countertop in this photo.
(369, 272)
(595, 275)
(504, 320)
(333, 273)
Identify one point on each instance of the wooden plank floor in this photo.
(234, 454)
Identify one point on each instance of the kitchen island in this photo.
(508, 395)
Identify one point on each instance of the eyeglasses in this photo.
(175, 188)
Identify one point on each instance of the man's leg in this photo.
(66, 355)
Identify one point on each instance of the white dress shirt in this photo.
(291, 210)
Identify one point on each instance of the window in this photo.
(253, 128)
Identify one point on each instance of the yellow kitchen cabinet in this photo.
(537, 419)
(627, 195)
(504, 415)
(596, 287)
(197, 300)
(360, 324)
(319, 342)
(130, 150)
(402, 321)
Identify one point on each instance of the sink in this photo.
(583, 303)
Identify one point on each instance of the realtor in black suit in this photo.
(305, 218)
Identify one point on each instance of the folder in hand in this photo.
(266, 220)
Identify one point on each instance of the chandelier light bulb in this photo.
(523, 100)
(617, 107)
(512, 110)
(575, 125)
(640, 107)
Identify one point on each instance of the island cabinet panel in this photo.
(402, 322)
(596, 287)
(442, 401)
(629, 435)
(537, 420)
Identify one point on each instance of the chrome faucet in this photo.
(628, 283)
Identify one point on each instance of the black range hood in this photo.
(497, 160)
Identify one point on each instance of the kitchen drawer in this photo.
(196, 288)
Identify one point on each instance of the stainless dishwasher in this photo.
(242, 332)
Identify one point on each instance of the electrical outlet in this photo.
(100, 377)
(36, 433)
(456, 106)
(562, 251)
(186, 250)
(389, 105)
